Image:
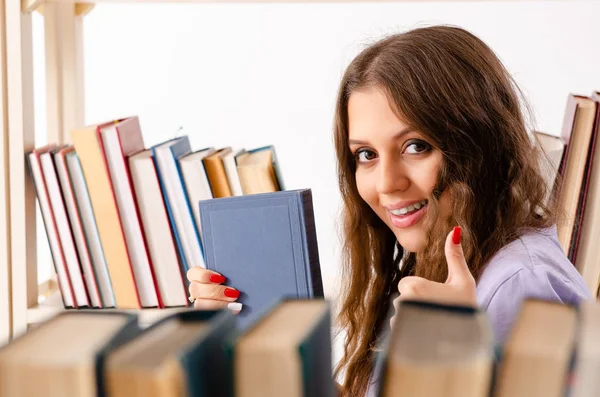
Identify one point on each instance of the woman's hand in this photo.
(459, 288)
(207, 293)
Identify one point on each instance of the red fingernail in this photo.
(232, 293)
(216, 278)
(456, 235)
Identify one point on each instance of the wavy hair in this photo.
(450, 86)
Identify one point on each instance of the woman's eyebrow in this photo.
(399, 134)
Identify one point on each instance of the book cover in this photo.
(157, 229)
(68, 191)
(90, 229)
(89, 147)
(121, 140)
(64, 229)
(265, 245)
(49, 222)
(298, 364)
(436, 349)
(181, 354)
(64, 355)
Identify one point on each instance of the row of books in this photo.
(123, 221)
(573, 157)
(449, 351)
(432, 350)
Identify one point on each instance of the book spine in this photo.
(312, 248)
(315, 355)
(210, 357)
(49, 223)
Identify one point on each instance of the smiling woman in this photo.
(436, 172)
(390, 156)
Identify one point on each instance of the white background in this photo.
(248, 75)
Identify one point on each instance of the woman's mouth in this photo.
(408, 216)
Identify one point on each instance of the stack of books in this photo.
(123, 220)
(432, 349)
(573, 169)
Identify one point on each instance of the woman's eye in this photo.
(417, 147)
(364, 155)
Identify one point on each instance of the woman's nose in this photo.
(391, 176)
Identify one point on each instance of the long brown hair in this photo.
(450, 86)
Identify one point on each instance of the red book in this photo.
(121, 140)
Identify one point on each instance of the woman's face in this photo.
(396, 167)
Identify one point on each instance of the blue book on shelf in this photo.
(266, 247)
(166, 157)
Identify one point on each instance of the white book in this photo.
(51, 229)
(64, 230)
(90, 229)
(196, 181)
(157, 229)
(77, 229)
(134, 237)
(231, 171)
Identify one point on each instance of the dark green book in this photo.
(180, 355)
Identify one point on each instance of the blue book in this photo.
(185, 231)
(266, 247)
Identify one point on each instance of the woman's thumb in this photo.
(458, 270)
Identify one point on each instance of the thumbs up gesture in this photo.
(459, 288)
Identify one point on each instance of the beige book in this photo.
(58, 358)
(286, 353)
(148, 365)
(178, 356)
(587, 259)
(87, 143)
(537, 353)
(438, 350)
(215, 170)
(256, 172)
(582, 111)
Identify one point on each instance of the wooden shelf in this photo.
(53, 305)
(32, 5)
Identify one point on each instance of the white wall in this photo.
(254, 74)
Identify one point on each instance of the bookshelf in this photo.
(63, 21)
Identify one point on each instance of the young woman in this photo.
(442, 191)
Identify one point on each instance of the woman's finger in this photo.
(213, 291)
(211, 304)
(201, 275)
(458, 270)
(418, 288)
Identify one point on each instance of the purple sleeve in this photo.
(504, 305)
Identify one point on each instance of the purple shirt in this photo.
(533, 265)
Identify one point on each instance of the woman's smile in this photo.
(406, 214)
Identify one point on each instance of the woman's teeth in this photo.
(410, 208)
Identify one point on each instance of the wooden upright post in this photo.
(21, 139)
(64, 69)
(5, 276)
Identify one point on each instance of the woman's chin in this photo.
(412, 243)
